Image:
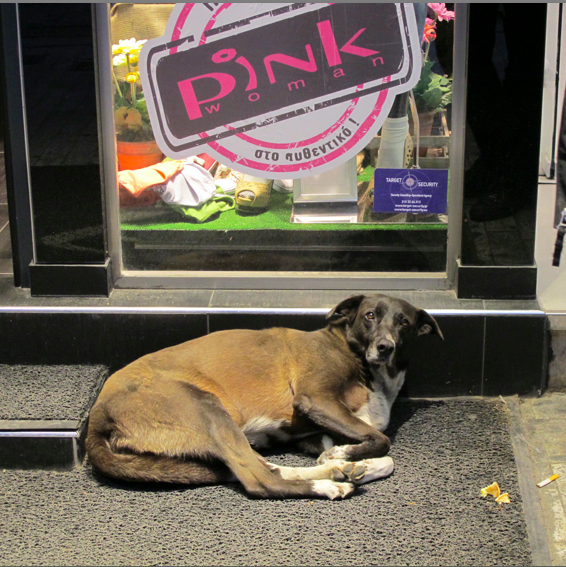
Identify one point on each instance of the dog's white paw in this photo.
(332, 490)
(346, 471)
(337, 453)
(360, 472)
(376, 468)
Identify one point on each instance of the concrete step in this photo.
(43, 414)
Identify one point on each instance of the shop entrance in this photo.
(199, 216)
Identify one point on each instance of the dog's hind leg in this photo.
(184, 434)
(133, 437)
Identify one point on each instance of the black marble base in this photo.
(497, 282)
(483, 354)
(70, 280)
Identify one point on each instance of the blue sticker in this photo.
(421, 191)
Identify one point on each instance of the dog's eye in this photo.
(405, 323)
(370, 316)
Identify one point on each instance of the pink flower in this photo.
(441, 12)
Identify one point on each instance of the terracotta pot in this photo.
(426, 119)
(136, 155)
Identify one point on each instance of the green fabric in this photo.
(208, 209)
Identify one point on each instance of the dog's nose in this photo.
(385, 347)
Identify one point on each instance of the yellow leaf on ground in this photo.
(503, 498)
(492, 489)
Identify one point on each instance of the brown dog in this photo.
(191, 413)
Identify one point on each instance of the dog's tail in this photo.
(146, 467)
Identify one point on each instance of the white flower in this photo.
(127, 46)
(119, 60)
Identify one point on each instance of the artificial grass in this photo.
(277, 217)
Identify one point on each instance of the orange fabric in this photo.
(138, 180)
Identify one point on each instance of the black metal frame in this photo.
(15, 144)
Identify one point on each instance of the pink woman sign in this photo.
(278, 90)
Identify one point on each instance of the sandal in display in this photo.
(253, 194)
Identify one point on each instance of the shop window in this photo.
(200, 213)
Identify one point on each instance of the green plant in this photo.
(130, 108)
(433, 91)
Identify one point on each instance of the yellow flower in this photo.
(132, 77)
(128, 118)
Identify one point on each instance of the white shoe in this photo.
(283, 185)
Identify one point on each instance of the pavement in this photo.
(543, 423)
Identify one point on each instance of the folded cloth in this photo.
(145, 199)
(192, 186)
(138, 180)
(203, 212)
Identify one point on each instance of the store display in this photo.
(240, 192)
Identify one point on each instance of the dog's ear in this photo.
(345, 311)
(427, 325)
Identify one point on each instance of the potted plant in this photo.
(433, 92)
(135, 142)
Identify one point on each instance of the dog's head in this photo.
(379, 327)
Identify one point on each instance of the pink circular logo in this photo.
(277, 90)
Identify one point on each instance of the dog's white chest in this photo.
(378, 409)
(259, 431)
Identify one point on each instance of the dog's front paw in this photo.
(339, 452)
(362, 471)
(332, 490)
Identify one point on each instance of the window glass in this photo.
(201, 213)
(503, 124)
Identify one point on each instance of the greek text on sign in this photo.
(278, 90)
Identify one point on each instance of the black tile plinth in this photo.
(452, 367)
(486, 353)
(516, 355)
(113, 339)
(70, 280)
(222, 322)
(497, 282)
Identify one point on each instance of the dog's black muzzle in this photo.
(381, 352)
